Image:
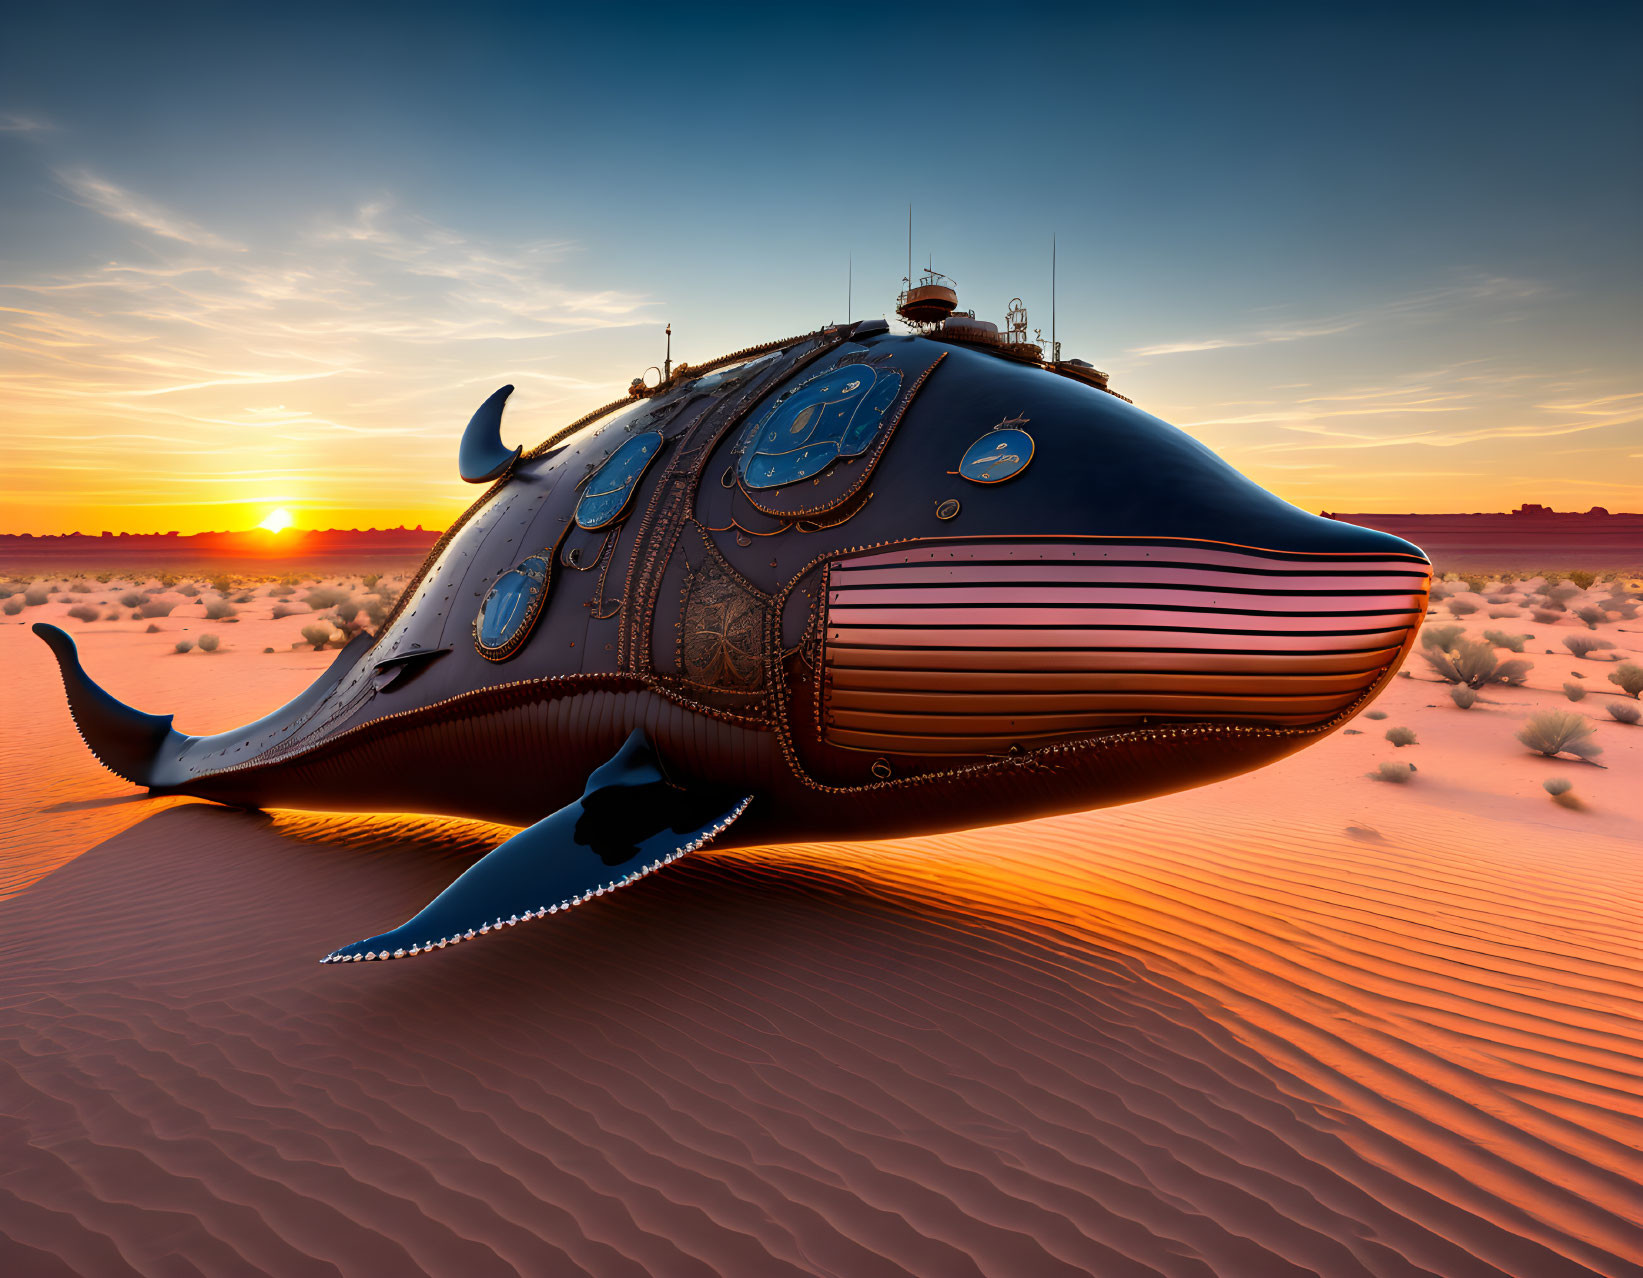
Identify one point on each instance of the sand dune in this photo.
(1296, 1023)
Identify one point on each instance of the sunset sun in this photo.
(277, 521)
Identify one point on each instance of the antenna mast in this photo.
(667, 360)
(1055, 346)
(849, 288)
(909, 244)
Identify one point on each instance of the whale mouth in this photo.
(1003, 645)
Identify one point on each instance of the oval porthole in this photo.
(510, 608)
(831, 415)
(1002, 453)
(611, 488)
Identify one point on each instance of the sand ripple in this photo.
(1135, 1042)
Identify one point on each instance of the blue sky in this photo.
(1385, 262)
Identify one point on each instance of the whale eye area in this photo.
(829, 415)
(610, 488)
(1002, 453)
(510, 608)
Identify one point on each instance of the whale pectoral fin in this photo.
(629, 821)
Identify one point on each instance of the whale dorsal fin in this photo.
(483, 457)
(629, 821)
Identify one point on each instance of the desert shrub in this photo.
(1395, 773)
(1623, 712)
(222, 585)
(1507, 578)
(1581, 645)
(1495, 614)
(1476, 584)
(1463, 696)
(1374, 714)
(1401, 736)
(1574, 691)
(113, 614)
(1628, 677)
(370, 580)
(268, 650)
(220, 610)
(34, 596)
(321, 597)
(1498, 598)
(281, 591)
(183, 645)
(245, 596)
(192, 591)
(280, 610)
(1501, 639)
(209, 643)
(1563, 591)
(317, 634)
(152, 629)
(13, 606)
(1440, 636)
(1555, 786)
(156, 608)
(83, 612)
(346, 615)
(131, 599)
(1462, 607)
(1592, 616)
(1473, 662)
(1545, 616)
(80, 588)
(1582, 578)
(1553, 732)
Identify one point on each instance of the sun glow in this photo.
(277, 521)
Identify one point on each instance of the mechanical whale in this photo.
(855, 583)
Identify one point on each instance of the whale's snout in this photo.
(983, 647)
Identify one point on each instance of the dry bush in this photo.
(220, 610)
(83, 612)
(184, 645)
(1581, 645)
(1473, 662)
(152, 629)
(1592, 616)
(1374, 714)
(222, 585)
(113, 614)
(370, 580)
(245, 596)
(1545, 616)
(1495, 614)
(1395, 773)
(191, 591)
(34, 596)
(281, 591)
(280, 610)
(1433, 636)
(1554, 732)
(1477, 585)
(1623, 712)
(318, 634)
(1501, 639)
(1462, 607)
(1628, 677)
(1463, 696)
(1555, 786)
(131, 599)
(80, 588)
(208, 643)
(1498, 598)
(1583, 579)
(321, 597)
(1401, 736)
(1574, 691)
(12, 606)
(156, 608)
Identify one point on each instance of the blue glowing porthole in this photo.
(998, 455)
(611, 488)
(834, 414)
(510, 609)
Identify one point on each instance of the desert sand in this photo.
(1299, 1022)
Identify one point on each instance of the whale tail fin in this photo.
(126, 741)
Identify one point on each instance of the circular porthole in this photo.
(947, 509)
(1002, 453)
(611, 488)
(510, 608)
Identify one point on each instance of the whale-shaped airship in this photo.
(853, 584)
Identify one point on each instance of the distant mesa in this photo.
(1532, 536)
(374, 547)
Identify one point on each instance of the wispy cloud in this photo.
(103, 196)
(1425, 304)
(15, 122)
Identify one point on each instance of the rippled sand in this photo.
(1296, 1023)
